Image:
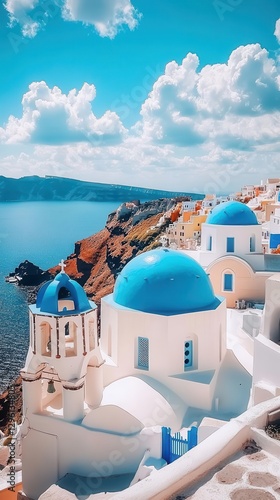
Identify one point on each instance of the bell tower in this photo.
(63, 372)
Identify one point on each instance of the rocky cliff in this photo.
(133, 228)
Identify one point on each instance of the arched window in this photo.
(70, 336)
(46, 344)
(143, 353)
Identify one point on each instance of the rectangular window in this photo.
(209, 246)
(230, 244)
(252, 244)
(188, 354)
(143, 353)
(228, 282)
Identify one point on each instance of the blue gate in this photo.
(174, 446)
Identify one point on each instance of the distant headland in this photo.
(51, 188)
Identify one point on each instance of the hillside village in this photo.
(184, 376)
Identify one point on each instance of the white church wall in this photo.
(73, 404)
(207, 328)
(167, 336)
(31, 395)
(94, 384)
(265, 368)
(39, 462)
(109, 331)
(270, 326)
(214, 243)
(111, 418)
(81, 451)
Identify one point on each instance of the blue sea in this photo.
(43, 233)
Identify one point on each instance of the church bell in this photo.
(51, 387)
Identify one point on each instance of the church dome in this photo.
(50, 293)
(232, 213)
(166, 282)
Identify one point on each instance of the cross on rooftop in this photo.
(62, 265)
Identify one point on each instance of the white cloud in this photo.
(24, 12)
(51, 117)
(235, 104)
(277, 30)
(134, 162)
(209, 129)
(107, 16)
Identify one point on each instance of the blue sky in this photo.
(179, 94)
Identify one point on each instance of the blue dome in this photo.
(232, 213)
(48, 296)
(166, 282)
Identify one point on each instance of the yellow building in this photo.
(187, 228)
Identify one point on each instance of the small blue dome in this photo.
(48, 296)
(166, 282)
(232, 213)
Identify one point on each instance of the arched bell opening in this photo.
(51, 391)
(46, 340)
(65, 300)
(70, 338)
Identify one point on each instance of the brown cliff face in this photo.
(130, 230)
(10, 406)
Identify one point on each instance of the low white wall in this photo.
(267, 443)
(198, 461)
(208, 426)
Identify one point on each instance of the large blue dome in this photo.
(166, 282)
(232, 213)
(48, 296)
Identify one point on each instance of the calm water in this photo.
(42, 232)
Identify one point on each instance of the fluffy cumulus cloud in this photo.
(277, 30)
(200, 129)
(234, 105)
(22, 11)
(51, 117)
(106, 16)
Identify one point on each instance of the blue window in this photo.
(209, 247)
(230, 244)
(143, 353)
(228, 282)
(252, 244)
(188, 354)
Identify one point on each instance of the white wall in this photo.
(270, 326)
(79, 450)
(167, 336)
(241, 235)
(266, 380)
